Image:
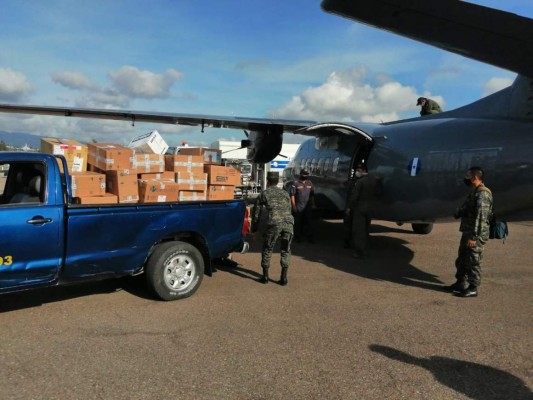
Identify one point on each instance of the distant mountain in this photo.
(19, 139)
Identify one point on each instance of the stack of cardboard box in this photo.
(141, 173)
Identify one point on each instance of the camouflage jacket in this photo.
(431, 107)
(476, 213)
(278, 204)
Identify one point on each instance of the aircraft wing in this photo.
(491, 36)
(205, 121)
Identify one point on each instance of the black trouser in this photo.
(302, 223)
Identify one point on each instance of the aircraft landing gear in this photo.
(422, 229)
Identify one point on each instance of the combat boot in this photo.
(457, 287)
(470, 291)
(264, 278)
(283, 279)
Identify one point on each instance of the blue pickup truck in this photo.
(47, 240)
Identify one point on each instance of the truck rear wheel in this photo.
(175, 270)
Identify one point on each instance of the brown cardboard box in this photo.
(220, 192)
(123, 184)
(156, 191)
(192, 195)
(87, 184)
(163, 176)
(209, 156)
(146, 163)
(181, 163)
(111, 157)
(218, 175)
(107, 198)
(74, 152)
(188, 181)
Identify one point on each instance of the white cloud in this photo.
(495, 84)
(71, 80)
(14, 86)
(133, 82)
(347, 96)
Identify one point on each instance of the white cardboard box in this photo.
(150, 142)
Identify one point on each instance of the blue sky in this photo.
(253, 58)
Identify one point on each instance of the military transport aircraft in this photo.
(421, 160)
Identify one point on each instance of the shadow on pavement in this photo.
(476, 381)
(389, 257)
(37, 297)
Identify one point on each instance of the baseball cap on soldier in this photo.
(419, 101)
(304, 172)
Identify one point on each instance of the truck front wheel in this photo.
(175, 270)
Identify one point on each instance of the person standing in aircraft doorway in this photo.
(303, 202)
(359, 210)
(428, 106)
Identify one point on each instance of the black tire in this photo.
(175, 270)
(422, 229)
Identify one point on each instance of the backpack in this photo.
(497, 229)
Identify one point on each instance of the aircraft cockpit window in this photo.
(313, 166)
(326, 165)
(335, 165)
(320, 167)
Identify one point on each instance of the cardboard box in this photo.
(163, 176)
(149, 143)
(220, 192)
(146, 163)
(111, 157)
(188, 181)
(156, 191)
(181, 163)
(218, 175)
(124, 185)
(192, 195)
(87, 184)
(107, 198)
(74, 152)
(209, 156)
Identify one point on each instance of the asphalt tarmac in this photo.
(380, 328)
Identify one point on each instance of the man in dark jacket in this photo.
(280, 225)
(475, 214)
(302, 195)
(359, 209)
(428, 106)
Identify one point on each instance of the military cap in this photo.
(304, 172)
(273, 176)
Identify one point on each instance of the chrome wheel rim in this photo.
(179, 272)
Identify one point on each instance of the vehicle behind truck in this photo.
(46, 240)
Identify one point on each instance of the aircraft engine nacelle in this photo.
(263, 146)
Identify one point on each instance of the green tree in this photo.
(3, 146)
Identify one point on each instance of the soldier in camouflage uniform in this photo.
(280, 225)
(475, 214)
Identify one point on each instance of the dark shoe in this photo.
(283, 279)
(470, 291)
(457, 287)
(264, 278)
(359, 256)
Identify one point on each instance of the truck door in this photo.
(31, 246)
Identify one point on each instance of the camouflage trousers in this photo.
(468, 262)
(270, 237)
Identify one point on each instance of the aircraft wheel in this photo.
(422, 229)
(175, 270)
